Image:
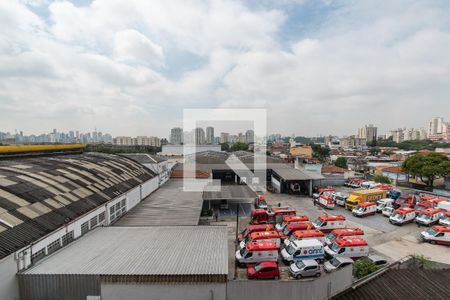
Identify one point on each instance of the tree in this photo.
(239, 147)
(422, 262)
(341, 162)
(428, 167)
(363, 267)
(225, 147)
(319, 152)
(381, 179)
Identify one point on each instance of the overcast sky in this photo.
(130, 67)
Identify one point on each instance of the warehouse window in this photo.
(53, 246)
(94, 222)
(37, 256)
(117, 210)
(85, 227)
(101, 217)
(67, 238)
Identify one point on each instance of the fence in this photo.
(320, 288)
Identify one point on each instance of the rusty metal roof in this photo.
(40, 194)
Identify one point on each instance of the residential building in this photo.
(199, 136)
(210, 135)
(123, 141)
(176, 136)
(435, 126)
(224, 137)
(352, 142)
(368, 132)
(250, 136)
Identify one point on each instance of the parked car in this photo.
(336, 263)
(305, 268)
(377, 260)
(339, 198)
(387, 211)
(263, 270)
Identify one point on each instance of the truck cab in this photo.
(303, 249)
(326, 202)
(305, 234)
(437, 235)
(254, 228)
(445, 219)
(291, 219)
(271, 216)
(385, 202)
(353, 247)
(394, 194)
(365, 209)
(255, 252)
(326, 223)
(402, 216)
(260, 202)
(429, 216)
(342, 232)
(262, 236)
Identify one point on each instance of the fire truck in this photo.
(271, 216)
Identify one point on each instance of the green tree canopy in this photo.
(319, 152)
(225, 147)
(239, 147)
(428, 167)
(381, 179)
(363, 267)
(341, 162)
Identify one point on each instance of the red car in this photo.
(263, 270)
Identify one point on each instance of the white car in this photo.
(336, 263)
(387, 211)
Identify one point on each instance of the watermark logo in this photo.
(248, 168)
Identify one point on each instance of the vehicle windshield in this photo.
(334, 262)
(424, 216)
(432, 232)
(247, 239)
(292, 238)
(318, 222)
(243, 252)
(396, 216)
(360, 208)
(379, 203)
(335, 247)
(257, 267)
(331, 236)
(300, 264)
(282, 224)
(286, 230)
(447, 219)
(290, 249)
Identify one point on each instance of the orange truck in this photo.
(360, 196)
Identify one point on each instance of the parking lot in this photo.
(390, 241)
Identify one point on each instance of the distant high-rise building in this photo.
(368, 132)
(435, 125)
(210, 135)
(176, 136)
(224, 137)
(199, 136)
(249, 136)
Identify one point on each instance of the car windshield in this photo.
(396, 216)
(300, 264)
(388, 209)
(339, 198)
(335, 247)
(424, 216)
(247, 239)
(331, 236)
(290, 249)
(282, 224)
(257, 267)
(286, 230)
(360, 208)
(243, 252)
(334, 262)
(292, 238)
(447, 219)
(432, 232)
(318, 222)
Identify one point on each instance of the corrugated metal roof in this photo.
(403, 284)
(144, 158)
(169, 205)
(174, 250)
(230, 192)
(40, 194)
(296, 174)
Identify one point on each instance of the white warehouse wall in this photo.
(8, 284)
(149, 187)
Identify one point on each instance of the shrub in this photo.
(363, 267)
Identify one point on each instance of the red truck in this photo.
(405, 201)
(271, 216)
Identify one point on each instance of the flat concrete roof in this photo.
(292, 174)
(230, 192)
(157, 250)
(169, 205)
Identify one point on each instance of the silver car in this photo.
(305, 268)
(337, 262)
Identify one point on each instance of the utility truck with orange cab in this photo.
(360, 196)
(353, 247)
(291, 219)
(326, 223)
(290, 228)
(365, 209)
(255, 252)
(254, 228)
(429, 216)
(262, 236)
(402, 216)
(341, 233)
(304, 235)
(437, 235)
(272, 215)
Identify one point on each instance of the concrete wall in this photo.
(197, 291)
(133, 197)
(318, 289)
(8, 283)
(149, 187)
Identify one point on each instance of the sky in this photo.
(130, 67)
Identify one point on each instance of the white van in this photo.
(352, 247)
(339, 198)
(382, 203)
(255, 252)
(437, 235)
(303, 249)
(402, 216)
